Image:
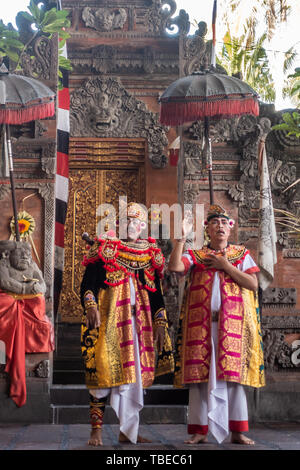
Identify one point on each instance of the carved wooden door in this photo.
(100, 172)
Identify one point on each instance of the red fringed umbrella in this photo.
(22, 99)
(207, 94)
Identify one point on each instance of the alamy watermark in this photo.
(161, 219)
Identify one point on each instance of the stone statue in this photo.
(18, 272)
(25, 327)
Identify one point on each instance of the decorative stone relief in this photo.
(48, 160)
(106, 59)
(104, 19)
(44, 156)
(101, 107)
(39, 61)
(43, 369)
(279, 296)
(277, 352)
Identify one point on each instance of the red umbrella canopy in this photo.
(206, 94)
(24, 99)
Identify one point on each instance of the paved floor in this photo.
(165, 438)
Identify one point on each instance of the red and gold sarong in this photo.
(240, 346)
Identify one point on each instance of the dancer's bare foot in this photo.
(140, 439)
(239, 438)
(197, 439)
(95, 438)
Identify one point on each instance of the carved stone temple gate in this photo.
(123, 57)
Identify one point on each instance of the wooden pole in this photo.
(12, 180)
(209, 159)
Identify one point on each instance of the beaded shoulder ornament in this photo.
(235, 254)
(122, 259)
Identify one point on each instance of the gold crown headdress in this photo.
(218, 211)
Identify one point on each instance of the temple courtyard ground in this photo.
(167, 440)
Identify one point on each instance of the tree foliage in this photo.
(247, 56)
(292, 87)
(10, 45)
(291, 124)
(39, 20)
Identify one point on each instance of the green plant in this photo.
(292, 87)
(40, 21)
(246, 55)
(10, 45)
(49, 22)
(291, 124)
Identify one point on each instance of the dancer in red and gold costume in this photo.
(124, 319)
(219, 342)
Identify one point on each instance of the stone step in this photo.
(77, 394)
(163, 404)
(150, 414)
(65, 377)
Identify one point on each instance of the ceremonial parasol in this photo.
(22, 99)
(207, 94)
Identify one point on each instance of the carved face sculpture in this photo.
(104, 19)
(20, 258)
(102, 119)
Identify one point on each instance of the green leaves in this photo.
(10, 45)
(291, 124)
(292, 87)
(47, 21)
(42, 21)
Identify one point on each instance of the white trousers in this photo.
(127, 400)
(217, 406)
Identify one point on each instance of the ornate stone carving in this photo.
(273, 342)
(291, 253)
(279, 296)
(104, 19)
(42, 370)
(181, 22)
(40, 59)
(48, 160)
(277, 352)
(195, 50)
(103, 108)
(106, 59)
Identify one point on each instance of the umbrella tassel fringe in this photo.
(19, 116)
(175, 114)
